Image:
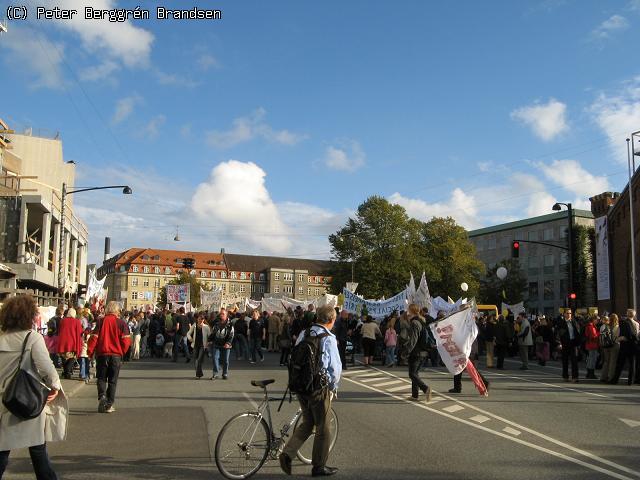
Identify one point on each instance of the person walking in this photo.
(256, 337)
(240, 331)
(69, 341)
(284, 340)
(273, 328)
(17, 315)
(315, 407)
(592, 344)
(568, 334)
(503, 335)
(134, 328)
(543, 339)
(626, 354)
(417, 346)
(197, 337)
(609, 333)
(370, 331)
(180, 340)
(390, 342)
(112, 340)
(489, 336)
(220, 341)
(525, 340)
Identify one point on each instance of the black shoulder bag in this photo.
(25, 396)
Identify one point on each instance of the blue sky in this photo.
(261, 132)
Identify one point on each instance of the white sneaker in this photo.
(110, 409)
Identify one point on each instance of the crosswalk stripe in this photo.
(376, 379)
(397, 389)
(479, 419)
(436, 399)
(352, 371)
(368, 374)
(453, 408)
(392, 382)
(511, 431)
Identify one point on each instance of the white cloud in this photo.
(175, 79)
(35, 52)
(634, 5)
(461, 206)
(99, 72)
(124, 108)
(613, 24)
(235, 197)
(618, 115)
(152, 129)
(546, 120)
(484, 167)
(122, 41)
(570, 175)
(347, 157)
(207, 61)
(245, 129)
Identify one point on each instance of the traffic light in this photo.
(572, 296)
(188, 263)
(515, 249)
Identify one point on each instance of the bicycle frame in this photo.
(264, 411)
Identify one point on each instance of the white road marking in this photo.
(479, 419)
(368, 374)
(630, 423)
(392, 382)
(436, 399)
(453, 408)
(353, 370)
(397, 389)
(521, 427)
(554, 453)
(374, 379)
(511, 431)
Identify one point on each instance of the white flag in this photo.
(411, 290)
(454, 336)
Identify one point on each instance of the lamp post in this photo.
(126, 190)
(631, 163)
(557, 207)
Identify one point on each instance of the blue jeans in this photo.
(39, 459)
(391, 355)
(84, 367)
(219, 352)
(241, 346)
(256, 347)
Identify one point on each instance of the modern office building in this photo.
(544, 267)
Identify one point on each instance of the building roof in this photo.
(529, 222)
(258, 263)
(152, 256)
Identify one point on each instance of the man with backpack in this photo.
(314, 374)
(418, 346)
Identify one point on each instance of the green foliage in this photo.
(513, 286)
(584, 280)
(383, 246)
(194, 288)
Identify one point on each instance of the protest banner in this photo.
(178, 293)
(454, 336)
(375, 308)
(212, 299)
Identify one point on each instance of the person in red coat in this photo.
(592, 344)
(69, 341)
(111, 342)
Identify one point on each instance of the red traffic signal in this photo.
(515, 250)
(572, 296)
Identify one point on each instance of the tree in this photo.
(194, 288)
(584, 279)
(383, 246)
(513, 286)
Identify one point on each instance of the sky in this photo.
(261, 132)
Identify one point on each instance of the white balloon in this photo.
(501, 273)
(464, 286)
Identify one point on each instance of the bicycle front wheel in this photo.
(305, 452)
(242, 446)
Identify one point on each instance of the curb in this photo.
(75, 387)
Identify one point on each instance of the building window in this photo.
(288, 277)
(224, 287)
(549, 264)
(156, 283)
(213, 274)
(276, 276)
(549, 294)
(506, 241)
(134, 295)
(301, 290)
(145, 282)
(480, 244)
(234, 275)
(203, 274)
(564, 232)
(145, 269)
(167, 271)
(192, 273)
(134, 282)
(262, 277)
(287, 289)
(564, 258)
(533, 235)
(242, 288)
(548, 234)
(301, 277)
(156, 257)
(179, 261)
(317, 292)
(134, 269)
(309, 291)
(243, 276)
(232, 287)
(519, 235)
(491, 243)
(276, 289)
(156, 270)
(145, 257)
(533, 266)
(533, 291)
(223, 274)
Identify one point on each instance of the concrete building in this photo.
(544, 267)
(136, 276)
(33, 170)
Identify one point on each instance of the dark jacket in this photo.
(416, 324)
(562, 332)
(503, 331)
(221, 334)
(340, 330)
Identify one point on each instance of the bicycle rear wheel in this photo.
(242, 446)
(305, 452)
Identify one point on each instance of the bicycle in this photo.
(248, 438)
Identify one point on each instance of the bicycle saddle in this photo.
(262, 383)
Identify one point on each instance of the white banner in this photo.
(439, 304)
(411, 290)
(375, 308)
(515, 309)
(454, 336)
(95, 287)
(422, 297)
(211, 298)
(178, 293)
(602, 258)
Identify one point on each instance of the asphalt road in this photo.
(531, 425)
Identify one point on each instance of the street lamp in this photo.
(126, 190)
(557, 207)
(631, 163)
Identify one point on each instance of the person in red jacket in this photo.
(69, 341)
(111, 342)
(592, 344)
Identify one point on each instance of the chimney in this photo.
(222, 251)
(600, 203)
(107, 248)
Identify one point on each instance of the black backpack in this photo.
(305, 375)
(424, 340)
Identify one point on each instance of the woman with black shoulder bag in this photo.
(28, 421)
